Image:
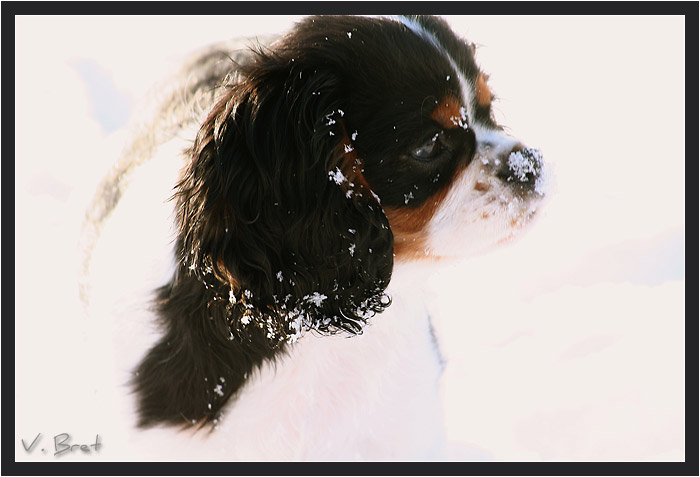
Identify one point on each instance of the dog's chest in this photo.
(373, 396)
(370, 397)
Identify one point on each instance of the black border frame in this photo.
(9, 10)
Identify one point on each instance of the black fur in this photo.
(269, 244)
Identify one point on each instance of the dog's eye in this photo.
(430, 149)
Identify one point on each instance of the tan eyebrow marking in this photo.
(447, 113)
(483, 94)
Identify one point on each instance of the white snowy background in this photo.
(565, 345)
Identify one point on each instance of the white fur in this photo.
(369, 397)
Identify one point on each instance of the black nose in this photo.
(521, 168)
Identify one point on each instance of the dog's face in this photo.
(348, 144)
(449, 180)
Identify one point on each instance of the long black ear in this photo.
(278, 233)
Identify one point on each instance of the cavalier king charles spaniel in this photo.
(322, 173)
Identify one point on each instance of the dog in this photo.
(323, 174)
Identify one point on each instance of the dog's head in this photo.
(347, 145)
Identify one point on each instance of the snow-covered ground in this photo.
(565, 345)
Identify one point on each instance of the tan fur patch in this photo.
(351, 165)
(447, 113)
(408, 226)
(483, 94)
(481, 186)
(227, 278)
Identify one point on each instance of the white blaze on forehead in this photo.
(466, 86)
(492, 143)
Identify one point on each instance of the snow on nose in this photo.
(523, 169)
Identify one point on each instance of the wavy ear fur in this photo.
(278, 233)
